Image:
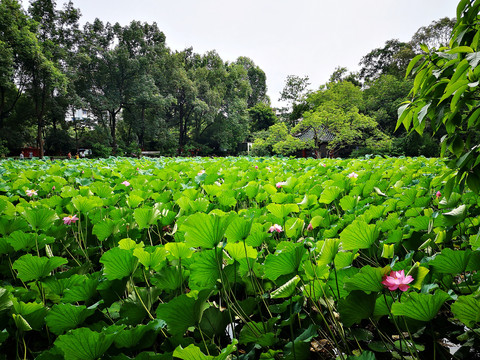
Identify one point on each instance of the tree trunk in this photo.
(40, 136)
(113, 125)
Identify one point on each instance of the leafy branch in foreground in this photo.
(445, 96)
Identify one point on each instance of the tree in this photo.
(276, 140)
(351, 129)
(341, 74)
(261, 116)
(57, 33)
(28, 65)
(293, 93)
(345, 94)
(392, 59)
(383, 97)
(257, 80)
(434, 36)
(335, 107)
(445, 94)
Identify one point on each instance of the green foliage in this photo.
(444, 95)
(183, 261)
(262, 117)
(335, 108)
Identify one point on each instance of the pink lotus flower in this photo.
(201, 172)
(67, 220)
(53, 187)
(353, 175)
(83, 172)
(438, 195)
(281, 184)
(256, 166)
(138, 169)
(126, 183)
(276, 228)
(31, 193)
(323, 165)
(310, 227)
(397, 280)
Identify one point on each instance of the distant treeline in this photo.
(136, 93)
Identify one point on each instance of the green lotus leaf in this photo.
(21, 323)
(257, 235)
(240, 251)
(191, 352)
(455, 216)
(308, 200)
(130, 338)
(315, 290)
(31, 267)
(238, 230)
(368, 279)
(383, 304)
(84, 344)
(179, 250)
(118, 263)
(285, 260)
(419, 223)
(418, 273)
(421, 307)
(40, 218)
(205, 230)
(20, 240)
(252, 189)
(63, 317)
(328, 250)
(205, 269)
(356, 307)
(358, 235)
(348, 202)
(170, 278)
(183, 311)
(259, 333)
(104, 229)
(5, 301)
(467, 310)
(294, 227)
(315, 271)
(281, 211)
(101, 189)
(214, 322)
(407, 199)
(145, 217)
(451, 261)
(85, 204)
(390, 223)
(32, 312)
(134, 200)
(330, 194)
(151, 257)
(84, 290)
(129, 244)
(287, 289)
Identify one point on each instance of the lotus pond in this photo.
(237, 258)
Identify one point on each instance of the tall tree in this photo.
(392, 59)
(57, 33)
(257, 80)
(293, 93)
(262, 117)
(434, 36)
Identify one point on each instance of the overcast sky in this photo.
(283, 37)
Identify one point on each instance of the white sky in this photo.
(283, 37)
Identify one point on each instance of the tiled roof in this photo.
(323, 135)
